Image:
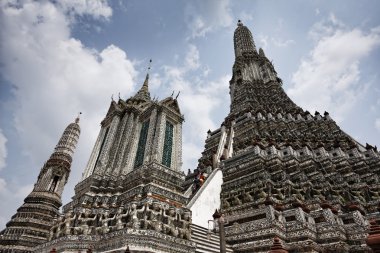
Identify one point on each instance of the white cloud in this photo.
(23, 191)
(11, 196)
(265, 40)
(58, 71)
(329, 78)
(154, 81)
(192, 58)
(246, 16)
(192, 151)
(3, 150)
(200, 101)
(206, 16)
(95, 8)
(376, 105)
(278, 42)
(3, 186)
(326, 27)
(206, 71)
(55, 76)
(17, 192)
(377, 124)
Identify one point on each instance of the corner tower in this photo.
(31, 224)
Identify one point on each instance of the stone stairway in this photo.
(199, 236)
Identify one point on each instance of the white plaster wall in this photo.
(208, 200)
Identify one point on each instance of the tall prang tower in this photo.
(31, 225)
(130, 195)
(288, 174)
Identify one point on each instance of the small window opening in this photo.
(54, 184)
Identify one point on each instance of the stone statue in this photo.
(119, 217)
(68, 222)
(83, 223)
(247, 197)
(170, 227)
(154, 217)
(225, 204)
(104, 218)
(133, 212)
(236, 201)
(185, 221)
(260, 194)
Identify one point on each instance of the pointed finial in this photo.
(145, 85)
(112, 97)
(239, 23)
(119, 95)
(150, 63)
(78, 117)
(172, 94)
(178, 94)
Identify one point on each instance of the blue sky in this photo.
(61, 57)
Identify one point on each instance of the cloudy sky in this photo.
(61, 57)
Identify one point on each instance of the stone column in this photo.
(150, 137)
(116, 145)
(130, 152)
(123, 153)
(177, 147)
(94, 154)
(103, 156)
(159, 138)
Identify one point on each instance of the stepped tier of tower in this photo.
(31, 225)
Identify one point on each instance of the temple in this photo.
(282, 179)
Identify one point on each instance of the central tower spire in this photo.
(287, 174)
(243, 41)
(254, 84)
